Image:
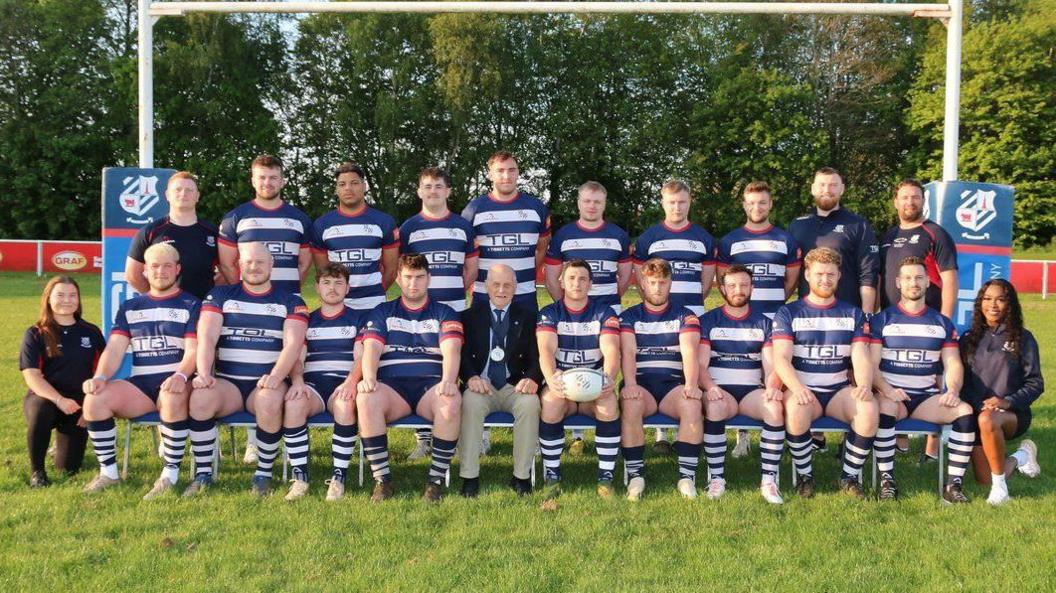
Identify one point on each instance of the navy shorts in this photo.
(324, 385)
(824, 397)
(150, 385)
(914, 402)
(658, 388)
(739, 391)
(411, 390)
(246, 386)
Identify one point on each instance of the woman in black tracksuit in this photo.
(1002, 379)
(59, 352)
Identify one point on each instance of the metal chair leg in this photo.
(128, 445)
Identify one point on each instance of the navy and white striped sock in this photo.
(342, 446)
(104, 440)
(634, 461)
(688, 459)
(884, 446)
(607, 444)
(715, 448)
(771, 443)
(551, 444)
(376, 450)
(443, 451)
(297, 448)
(962, 439)
(856, 450)
(799, 445)
(267, 448)
(174, 442)
(203, 445)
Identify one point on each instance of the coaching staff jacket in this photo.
(522, 350)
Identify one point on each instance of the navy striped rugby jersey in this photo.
(736, 345)
(579, 332)
(688, 251)
(411, 338)
(658, 354)
(447, 243)
(329, 344)
(821, 338)
(156, 329)
(508, 233)
(283, 230)
(251, 334)
(357, 241)
(911, 358)
(768, 254)
(604, 248)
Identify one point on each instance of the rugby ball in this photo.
(582, 385)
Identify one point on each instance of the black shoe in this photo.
(888, 488)
(39, 479)
(470, 487)
(954, 494)
(925, 459)
(521, 487)
(663, 448)
(433, 492)
(261, 486)
(819, 443)
(852, 487)
(805, 486)
(382, 492)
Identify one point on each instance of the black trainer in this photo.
(819, 443)
(433, 492)
(39, 479)
(888, 488)
(953, 493)
(853, 487)
(805, 485)
(521, 487)
(470, 487)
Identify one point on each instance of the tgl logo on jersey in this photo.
(508, 240)
(441, 257)
(347, 256)
(147, 343)
(822, 352)
(278, 248)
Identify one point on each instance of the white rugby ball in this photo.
(582, 385)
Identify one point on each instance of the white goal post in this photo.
(949, 13)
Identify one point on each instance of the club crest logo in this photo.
(976, 211)
(139, 195)
(86, 342)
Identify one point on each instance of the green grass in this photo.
(227, 540)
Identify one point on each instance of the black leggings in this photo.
(41, 417)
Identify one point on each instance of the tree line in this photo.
(625, 100)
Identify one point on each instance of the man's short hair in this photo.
(413, 261)
(593, 186)
(349, 167)
(181, 175)
(434, 173)
(266, 161)
(577, 263)
(162, 249)
(757, 187)
(735, 269)
(331, 270)
(501, 155)
(822, 255)
(674, 186)
(909, 182)
(656, 267)
(911, 260)
(828, 171)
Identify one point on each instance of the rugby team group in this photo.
(220, 327)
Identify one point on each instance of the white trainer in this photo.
(687, 488)
(770, 493)
(161, 486)
(336, 491)
(250, 458)
(298, 489)
(1031, 468)
(635, 488)
(998, 496)
(716, 488)
(422, 449)
(744, 444)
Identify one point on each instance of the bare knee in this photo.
(96, 406)
(344, 411)
(448, 408)
(986, 422)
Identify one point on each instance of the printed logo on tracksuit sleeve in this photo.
(156, 329)
(821, 341)
(688, 251)
(251, 335)
(658, 355)
(283, 230)
(736, 343)
(912, 346)
(768, 254)
(447, 243)
(579, 332)
(508, 233)
(329, 345)
(411, 338)
(604, 248)
(357, 241)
